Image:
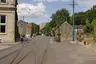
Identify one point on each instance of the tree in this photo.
(48, 28)
(60, 17)
(80, 18)
(89, 27)
(94, 32)
(57, 19)
(94, 23)
(91, 13)
(35, 28)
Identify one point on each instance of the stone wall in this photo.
(65, 31)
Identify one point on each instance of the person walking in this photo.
(21, 38)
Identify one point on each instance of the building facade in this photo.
(42, 25)
(29, 29)
(65, 32)
(7, 20)
(24, 28)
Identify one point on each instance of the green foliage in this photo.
(48, 28)
(80, 18)
(57, 19)
(60, 17)
(35, 28)
(81, 38)
(89, 27)
(94, 23)
(94, 32)
(91, 14)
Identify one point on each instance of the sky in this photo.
(39, 11)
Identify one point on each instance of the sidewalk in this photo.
(91, 47)
(68, 53)
(7, 45)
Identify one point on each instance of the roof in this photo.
(29, 25)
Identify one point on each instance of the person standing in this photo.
(21, 38)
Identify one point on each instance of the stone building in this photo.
(7, 20)
(42, 25)
(22, 27)
(65, 31)
(29, 29)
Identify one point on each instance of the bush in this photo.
(89, 28)
(81, 38)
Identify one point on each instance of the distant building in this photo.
(42, 25)
(7, 20)
(79, 28)
(29, 29)
(22, 27)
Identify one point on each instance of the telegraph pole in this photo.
(73, 18)
(73, 5)
(23, 18)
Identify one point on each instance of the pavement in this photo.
(31, 52)
(4, 45)
(68, 53)
(7, 45)
(91, 46)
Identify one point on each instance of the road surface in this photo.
(26, 53)
(43, 50)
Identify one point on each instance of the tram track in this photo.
(18, 51)
(30, 48)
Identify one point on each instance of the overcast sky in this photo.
(39, 11)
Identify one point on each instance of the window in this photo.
(2, 29)
(2, 19)
(2, 23)
(2, 1)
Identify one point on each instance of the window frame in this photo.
(4, 24)
(4, 30)
(3, 2)
(1, 19)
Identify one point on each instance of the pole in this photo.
(73, 32)
(23, 18)
(73, 18)
(16, 19)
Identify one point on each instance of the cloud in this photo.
(51, 0)
(31, 10)
(46, 16)
(86, 3)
